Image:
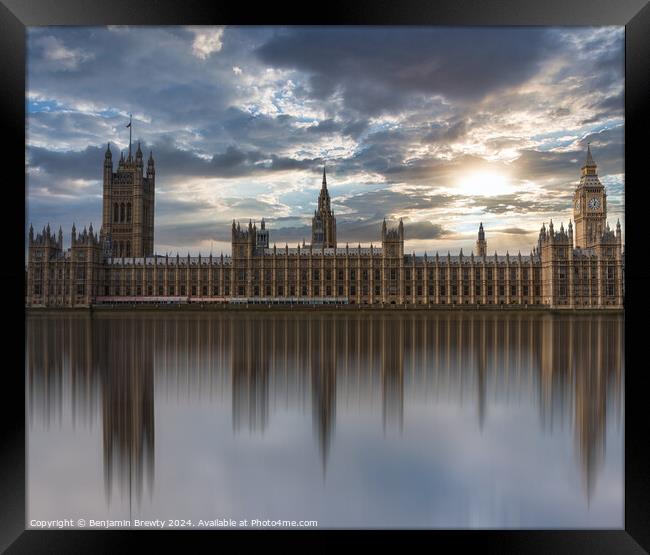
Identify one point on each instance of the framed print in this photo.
(366, 278)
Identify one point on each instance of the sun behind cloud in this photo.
(483, 183)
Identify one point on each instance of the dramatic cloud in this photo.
(376, 70)
(514, 231)
(55, 51)
(443, 127)
(206, 41)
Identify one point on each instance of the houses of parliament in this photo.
(568, 268)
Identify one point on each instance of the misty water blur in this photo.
(355, 420)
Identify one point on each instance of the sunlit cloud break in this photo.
(206, 41)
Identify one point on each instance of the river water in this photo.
(353, 420)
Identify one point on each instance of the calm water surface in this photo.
(353, 420)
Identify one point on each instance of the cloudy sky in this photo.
(444, 127)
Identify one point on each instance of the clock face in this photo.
(594, 204)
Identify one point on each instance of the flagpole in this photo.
(130, 116)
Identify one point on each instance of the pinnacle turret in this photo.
(481, 243)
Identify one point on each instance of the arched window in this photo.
(116, 212)
(128, 212)
(128, 248)
(122, 212)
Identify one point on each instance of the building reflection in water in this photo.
(125, 356)
(571, 366)
(98, 366)
(250, 375)
(322, 370)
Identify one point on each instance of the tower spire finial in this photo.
(324, 178)
(590, 160)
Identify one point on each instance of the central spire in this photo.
(323, 222)
(324, 196)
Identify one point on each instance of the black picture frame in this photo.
(15, 15)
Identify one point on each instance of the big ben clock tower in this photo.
(589, 205)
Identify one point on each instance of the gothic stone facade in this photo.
(128, 206)
(118, 264)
